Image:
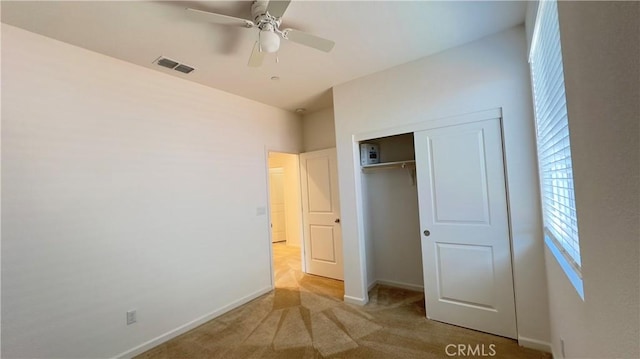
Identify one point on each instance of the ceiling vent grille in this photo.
(184, 68)
(174, 65)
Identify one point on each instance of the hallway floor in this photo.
(305, 317)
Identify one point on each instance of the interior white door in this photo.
(321, 213)
(463, 214)
(276, 194)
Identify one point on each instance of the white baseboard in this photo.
(371, 285)
(355, 300)
(535, 344)
(392, 283)
(193, 324)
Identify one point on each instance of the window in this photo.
(554, 152)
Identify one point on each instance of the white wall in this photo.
(489, 73)
(318, 130)
(601, 52)
(124, 188)
(290, 164)
(530, 20)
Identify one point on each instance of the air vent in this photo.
(183, 68)
(167, 63)
(174, 65)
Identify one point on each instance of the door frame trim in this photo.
(430, 124)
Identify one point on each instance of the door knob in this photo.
(426, 233)
(337, 220)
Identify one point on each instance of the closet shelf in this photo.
(396, 164)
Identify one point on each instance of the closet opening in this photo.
(392, 222)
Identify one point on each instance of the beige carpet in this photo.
(304, 317)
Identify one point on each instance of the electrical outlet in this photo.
(131, 317)
(562, 347)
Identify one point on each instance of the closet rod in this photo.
(395, 164)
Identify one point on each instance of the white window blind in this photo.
(554, 153)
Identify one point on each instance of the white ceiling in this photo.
(370, 36)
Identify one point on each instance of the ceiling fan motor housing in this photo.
(258, 8)
(262, 18)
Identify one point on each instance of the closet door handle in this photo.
(426, 233)
(337, 220)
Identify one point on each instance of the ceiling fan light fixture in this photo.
(269, 41)
(267, 17)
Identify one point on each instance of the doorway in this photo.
(285, 213)
(277, 205)
(304, 212)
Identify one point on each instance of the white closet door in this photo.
(463, 213)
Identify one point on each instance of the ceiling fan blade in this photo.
(255, 60)
(219, 18)
(277, 7)
(303, 38)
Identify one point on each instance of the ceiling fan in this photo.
(267, 17)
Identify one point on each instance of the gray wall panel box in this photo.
(369, 153)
